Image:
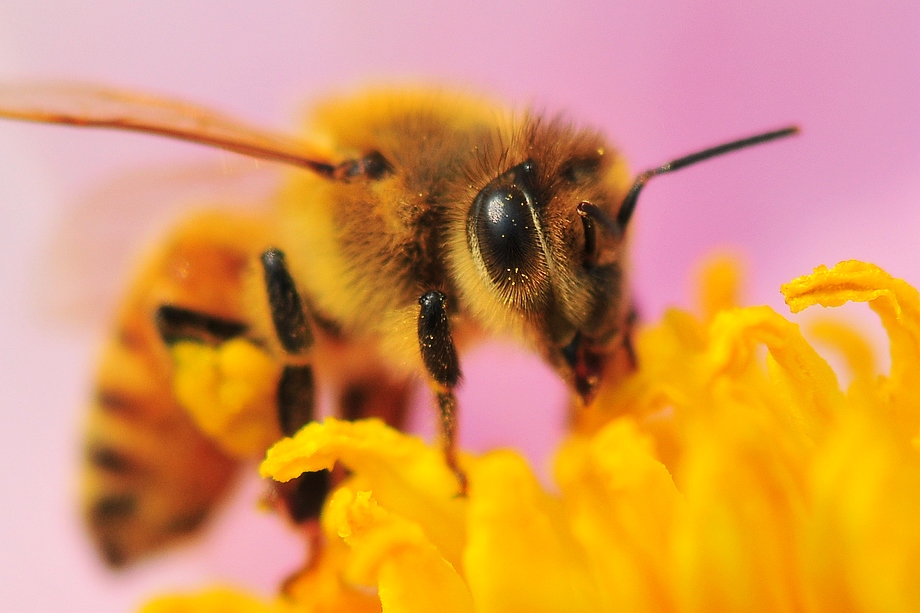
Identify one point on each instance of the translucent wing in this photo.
(96, 240)
(91, 106)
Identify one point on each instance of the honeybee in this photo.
(416, 223)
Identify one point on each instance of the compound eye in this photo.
(505, 228)
(504, 233)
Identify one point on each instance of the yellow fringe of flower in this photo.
(229, 392)
(712, 479)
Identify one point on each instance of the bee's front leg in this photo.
(440, 358)
(305, 495)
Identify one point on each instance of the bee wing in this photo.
(91, 106)
(97, 239)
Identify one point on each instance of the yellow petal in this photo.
(217, 600)
(799, 373)
(323, 588)
(670, 355)
(520, 555)
(720, 285)
(863, 537)
(621, 502)
(229, 391)
(898, 306)
(743, 470)
(864, 390)
(672, 377)
(393, 553)
(407, 476)
(736, 547)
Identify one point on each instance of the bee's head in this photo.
(543, 240)
(548, 239)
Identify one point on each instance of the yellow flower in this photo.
(730, 472)
(228, 391)
(218, 600)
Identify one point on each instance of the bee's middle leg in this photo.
(443, 366)
(303, 496)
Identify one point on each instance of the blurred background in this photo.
(660, 78)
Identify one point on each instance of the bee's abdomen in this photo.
(149, 475)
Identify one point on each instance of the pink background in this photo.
(661, 78)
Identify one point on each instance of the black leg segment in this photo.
(296, 387)
(440, 358)
(435, 341)
(295, 398)
(286, 306)
(303, 497)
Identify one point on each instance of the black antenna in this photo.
(629, 203)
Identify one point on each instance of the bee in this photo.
(413, 224)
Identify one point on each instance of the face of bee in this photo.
(559, 273)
